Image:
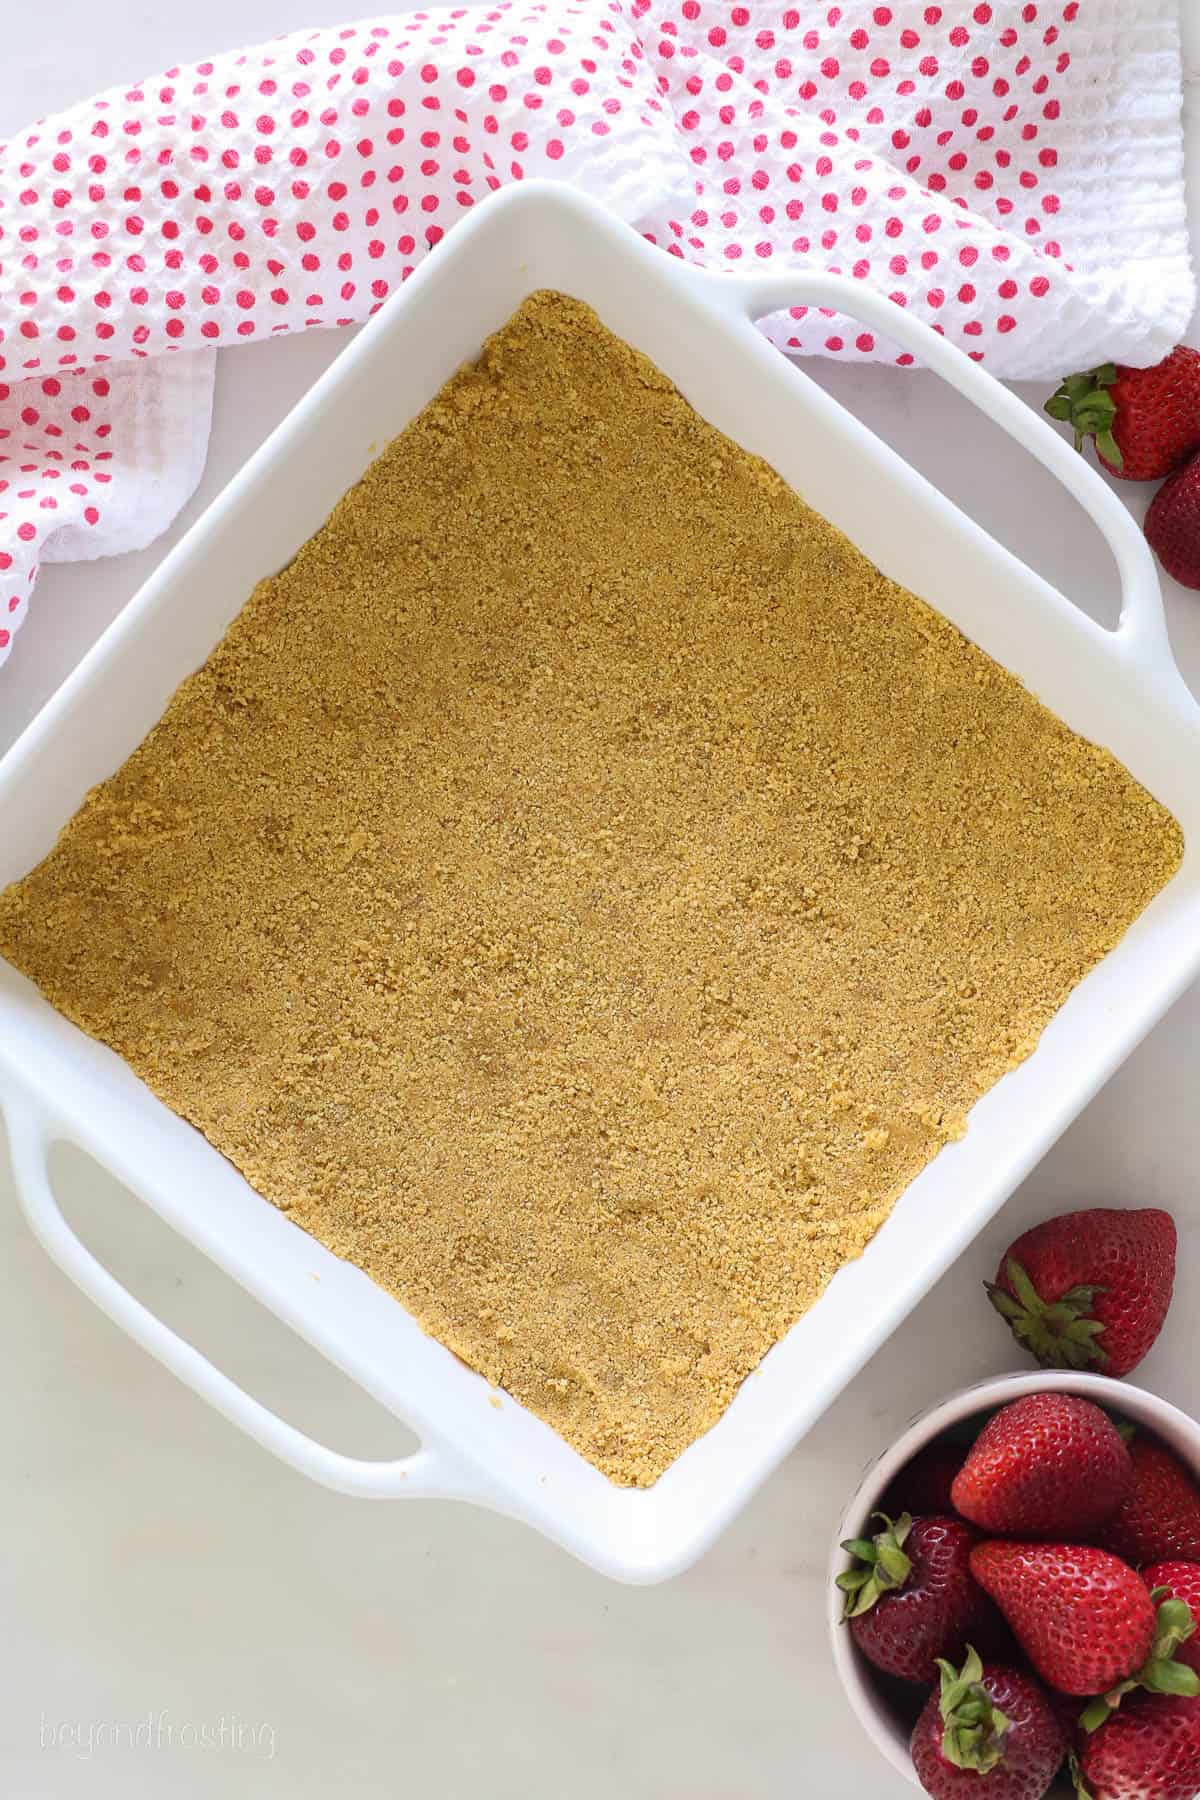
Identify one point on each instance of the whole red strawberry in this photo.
(1145, 422)
(986, 1732)
(1181, 1581)
(1160, 1518)
(1048, 1465)
(910, 1597)
(1089, 1288)
(1150, 1750)
(1082, 1616)
(924, 1483)
(1173, 524)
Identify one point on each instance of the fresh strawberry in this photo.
(1179, 1581)
(986, 1732)
(910, 1597)
(1089, 1287)
(1080, 1619)
(1150, 1750)
(1082, 1616)
(1160, 1519)
(1145, 421)
(1173, 524)
(1047, 1465)
(923, 1484)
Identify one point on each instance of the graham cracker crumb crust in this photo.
(583, 892)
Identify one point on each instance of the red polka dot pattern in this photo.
(945, 154)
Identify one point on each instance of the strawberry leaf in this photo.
(1095, 1713)
(1170, 1678)
(1174, 1623)
(893, 1562)
(850, 1580)
(1109, 448)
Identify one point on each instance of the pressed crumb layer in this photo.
(584, 892)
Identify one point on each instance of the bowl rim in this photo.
(1179, 1431)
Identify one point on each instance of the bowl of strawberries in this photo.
(1015, 1592)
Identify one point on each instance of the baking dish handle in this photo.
(425, 1475)
(1141, 635)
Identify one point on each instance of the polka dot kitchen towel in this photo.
(1011, 170)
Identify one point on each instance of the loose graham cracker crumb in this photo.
(582, 891)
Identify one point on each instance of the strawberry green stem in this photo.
(880, 1565)
(1060, 1333)
(1083, 402)
(974, 1729)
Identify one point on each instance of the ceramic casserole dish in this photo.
(1119, 688)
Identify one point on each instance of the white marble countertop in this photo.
(157, 1571)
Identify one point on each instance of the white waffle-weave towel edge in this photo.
(1009, 170)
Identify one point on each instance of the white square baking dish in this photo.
(1119, 688)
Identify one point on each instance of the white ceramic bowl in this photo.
(880, 1720)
